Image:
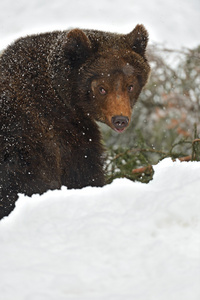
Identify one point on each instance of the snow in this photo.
(175, 23)
(127, 240)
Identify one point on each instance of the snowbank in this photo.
(123, 241)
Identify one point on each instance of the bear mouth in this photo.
(118, 130)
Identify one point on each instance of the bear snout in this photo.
(120, 123)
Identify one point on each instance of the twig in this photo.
(142, 170)
(185, 158)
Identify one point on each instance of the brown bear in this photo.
(53, 88)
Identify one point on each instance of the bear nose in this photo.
(120, 122)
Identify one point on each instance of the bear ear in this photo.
(77, 46)
(138, 39)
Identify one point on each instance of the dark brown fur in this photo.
(50, 99)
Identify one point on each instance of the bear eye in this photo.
(102, 91)
(130, 88)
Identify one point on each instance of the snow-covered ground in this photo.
(123, 241)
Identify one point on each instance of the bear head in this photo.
(101, 73)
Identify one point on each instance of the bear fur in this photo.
(53, 88)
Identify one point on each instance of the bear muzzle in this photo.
(119, 123)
